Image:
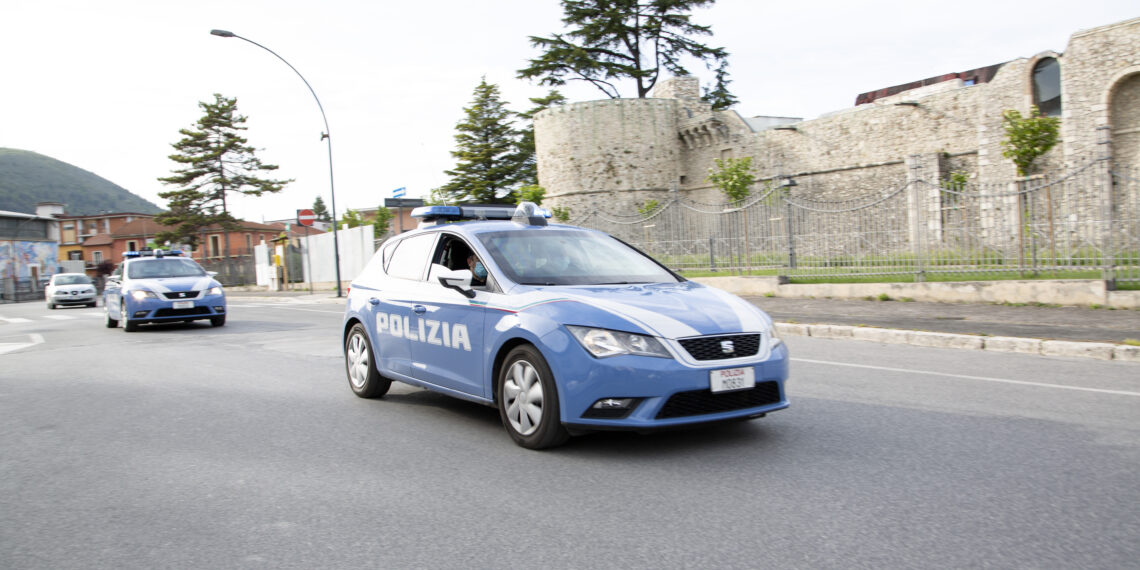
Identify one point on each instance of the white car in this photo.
(70, 289)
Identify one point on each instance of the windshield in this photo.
(72, 280)
(570, 257)
(157, 268)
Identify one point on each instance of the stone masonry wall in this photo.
(616, 154)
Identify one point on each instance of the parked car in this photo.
(161, 287)
(65, 289)
(563, 329)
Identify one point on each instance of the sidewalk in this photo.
(1054, 331)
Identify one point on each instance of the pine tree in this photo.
(486, 149)
(626, 39)
(320, 211)
(216, 161)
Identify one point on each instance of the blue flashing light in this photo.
(152, 253)
(437, 212)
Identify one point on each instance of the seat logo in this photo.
(727, 347)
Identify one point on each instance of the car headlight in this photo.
(214, 291)
(140, 294)
(603, 343)
(774, 339)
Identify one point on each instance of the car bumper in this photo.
(665, 393)
(69, 299)
(162, 310)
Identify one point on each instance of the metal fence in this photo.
(1084, 223)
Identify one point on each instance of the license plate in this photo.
(184, 304)
(730, 379)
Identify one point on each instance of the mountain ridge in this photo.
(27, 177)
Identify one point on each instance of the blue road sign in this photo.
(398, 193)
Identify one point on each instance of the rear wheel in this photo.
(128, 326)
(528, 400)
(360, 365)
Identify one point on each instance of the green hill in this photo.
(27, 178)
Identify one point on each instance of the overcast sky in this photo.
(106, 85)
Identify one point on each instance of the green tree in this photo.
(530, 193)
(486, 150)
(320, 211)
(613, 40)
(561, 214)
(383, 219)
(216, 160)
(528, 164)
(1027, 138)
(351, 219)
(733, 176)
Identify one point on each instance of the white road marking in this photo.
(966, 377)
(6, 347)
(15, 320)
(59, 317)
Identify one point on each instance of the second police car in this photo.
(161, 287)
(563, 329)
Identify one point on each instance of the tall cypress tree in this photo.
(216, 160)
(488, 167)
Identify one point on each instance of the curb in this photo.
(1095, 350)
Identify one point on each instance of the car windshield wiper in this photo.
(544, 284)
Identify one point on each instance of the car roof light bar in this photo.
(434, 215)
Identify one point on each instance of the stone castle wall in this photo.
(614, 155)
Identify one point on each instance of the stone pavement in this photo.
(1048, 330)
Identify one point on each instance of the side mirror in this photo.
(459, 280)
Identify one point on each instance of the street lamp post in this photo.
(324, 136)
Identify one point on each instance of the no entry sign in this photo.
(305, 217)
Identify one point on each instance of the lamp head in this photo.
(222, 33)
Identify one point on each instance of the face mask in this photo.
(480, 271)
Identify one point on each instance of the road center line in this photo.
(965, 377)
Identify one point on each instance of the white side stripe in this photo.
(965, 377)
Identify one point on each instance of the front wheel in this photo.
(360, 365)
(128, 326)
(218, 321)
(528, 400)
(111, 323)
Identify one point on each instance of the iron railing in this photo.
(1084, 222)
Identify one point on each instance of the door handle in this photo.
(419, 309)
(374, 300)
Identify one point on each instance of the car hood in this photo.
(670, 310)
(171, 284)
(70, 288)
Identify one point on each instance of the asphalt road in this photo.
(241, 447)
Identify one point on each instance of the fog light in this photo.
(612, 408)
(140, 314)
(612, 404)
(219, 309)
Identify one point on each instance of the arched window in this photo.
(1047, 87)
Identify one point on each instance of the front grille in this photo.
(699, 402)
(722, 347)
(182, 312)
(181, 295)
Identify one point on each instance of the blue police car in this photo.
(564, 329)
(160, 287)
